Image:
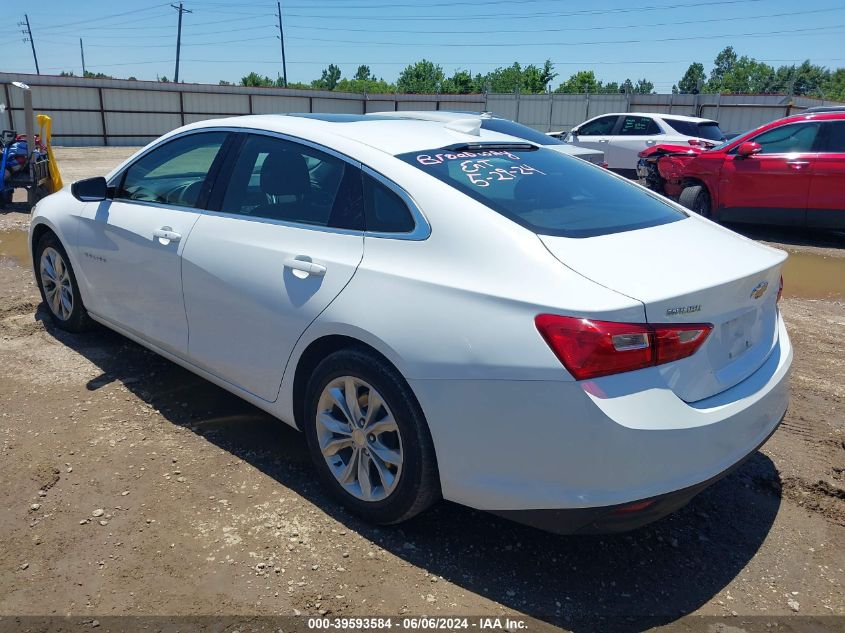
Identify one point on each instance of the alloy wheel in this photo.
(56, 282)
(359, 438)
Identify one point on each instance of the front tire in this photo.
(58, 285)
(368, 438)
(697, 199)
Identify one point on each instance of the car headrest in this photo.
(285, 173)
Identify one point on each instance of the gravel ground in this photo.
(130, 486)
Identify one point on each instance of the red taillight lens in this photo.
(589, 348)
(780, 289)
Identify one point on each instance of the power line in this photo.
(524, 15)
(64, 25)
(561, 30)
(582, 43)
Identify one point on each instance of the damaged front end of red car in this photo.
(661, 168)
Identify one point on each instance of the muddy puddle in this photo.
(812, 276)
(806, 275)
(13, 246)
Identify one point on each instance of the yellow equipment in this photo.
(46, 125)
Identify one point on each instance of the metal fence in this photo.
(122, 112)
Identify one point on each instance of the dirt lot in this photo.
(130, 486)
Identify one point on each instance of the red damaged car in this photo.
(788, 172)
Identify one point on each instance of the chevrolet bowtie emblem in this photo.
(759, 290)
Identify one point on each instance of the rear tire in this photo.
(697, 199)
(58, 285)
(378, 463)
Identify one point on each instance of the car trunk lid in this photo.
(691, 271)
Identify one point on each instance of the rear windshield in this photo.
(503, 126)
(708, 129)
(546, 191)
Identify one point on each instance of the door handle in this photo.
(650, 142)
(302, 265)
(797, 163)
(604, 140)
(165, 235)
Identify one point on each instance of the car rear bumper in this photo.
(618, 518)
(568, 454)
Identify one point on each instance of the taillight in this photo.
(590, 348)
(780, 289)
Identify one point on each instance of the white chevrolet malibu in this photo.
(443, 310)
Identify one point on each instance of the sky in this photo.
(618, 39)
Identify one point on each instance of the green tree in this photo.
(461, 83)
(643, 87)
(254, 80)
(692, 79)
(806, 79)
(535, 79)
(328, 79)
(581, 82)
(747, 75)
(834, 86)
(421, 77)
(722, 65)
(363, 73)
(368, 86)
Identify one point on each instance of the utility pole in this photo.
(82, 52)
(28, 38)
(181, 10)
(282, 40)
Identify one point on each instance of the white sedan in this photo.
(622, 136)
(442, 310)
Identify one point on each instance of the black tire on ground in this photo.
(697, 199)
(77, 320)
(418, 486)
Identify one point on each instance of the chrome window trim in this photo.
(421, 230)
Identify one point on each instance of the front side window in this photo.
(788, 139)
(545, 191)
(638, 126)
(277, 179)
(174, 172)
(599, 127)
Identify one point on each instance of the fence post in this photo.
(551, 108)
(586, 103)
(103, 118)
(516, 95)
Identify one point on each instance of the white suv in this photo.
(621, 136)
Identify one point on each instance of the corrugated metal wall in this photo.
(120, 112)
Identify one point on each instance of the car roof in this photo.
(661, 115)
(813, 116)
(391, 135)
(431, 115)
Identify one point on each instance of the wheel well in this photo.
(313, 355)
(37, 233)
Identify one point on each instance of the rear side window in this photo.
(638, 126)
(384, 209)
(503, 126)
(599, 127)
(834, 137)
(786, 139)
(708, 129)
(545, 191)
(277, 179)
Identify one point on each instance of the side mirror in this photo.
(573, 131)
(749, 148)
(90, 189)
